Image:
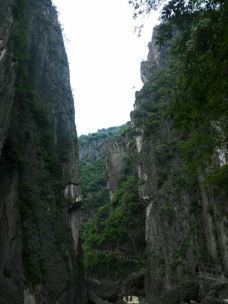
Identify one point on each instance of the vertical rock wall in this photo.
(116, 151)
(114, 249)
(186, 224)
(7, 68)
(39, 255)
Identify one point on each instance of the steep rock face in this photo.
(186, 224)
(116, 151)
(91, 149)
(174, 235)
(114, 237)
(7, 68)
(39, 179)
(156, 57)
(92, 157)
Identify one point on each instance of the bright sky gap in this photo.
(104, 55)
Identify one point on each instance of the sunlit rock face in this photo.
(116, 151)
(186, 224)
(156, 57)
(39, 193)
(73, 198)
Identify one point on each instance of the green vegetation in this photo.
(218, 180)
(110, 231)
(183, 111)
(114, 239)
(111, 132)
(93, 168)
(155, 97)
(190, 90)
(93, 183)
(199, 106)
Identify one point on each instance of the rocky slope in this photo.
(39, 180)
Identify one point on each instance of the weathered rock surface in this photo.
(116, 151)
(156, 57)
(7, 68)
(123, 274)
(186, 225)
(39, 254)
(105, 289)
(92, 157)
(94, 298)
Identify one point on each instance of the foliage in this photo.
(104, 134)
(115, 226)
(199, 106)
(93, 173)
(191, 88)
(93, 183)
(218, 179)
(154, 98)
(144, 6)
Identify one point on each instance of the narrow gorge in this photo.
(134, 214)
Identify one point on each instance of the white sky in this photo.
(104, 56)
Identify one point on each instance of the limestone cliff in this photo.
(39, 179)
(113, 238)
(186, 223)
(92, 156)
(157, 193)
